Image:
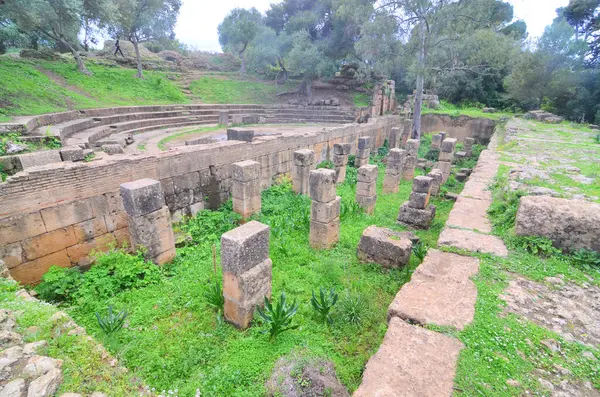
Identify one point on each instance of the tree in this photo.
(141, 21)
(238, 29)
(584, 16)
(57, 20)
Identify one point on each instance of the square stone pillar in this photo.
(395, 137)
(325, 209)
(467, 150)
(437, 177)
(417, 212)
(149, 220)
(406, 131)
(366, 187)
(247, 271)
(412, 154)
(393, 170)
(443, 134)
(340, 160)
(245, 189)
(436, 142)
(223, 117)
(240, 134)
(364, 151)
(304, 162)
(446, 157)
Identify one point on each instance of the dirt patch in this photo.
(570, 310)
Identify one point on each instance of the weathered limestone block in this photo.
(149, 219)
(223, 117)
(408, 170)
(366, 187)
(384, 246)
(340, 160)
(570, 224)
(444, 168)
(72, 153)
(342, 148)
(395, 163)
(304, 162)
(364, 151)
(449, 145)
(322, 185)
(436, 141)
(443, 135)
(240, 134)
(325, 221)
(142, 197)
(395, 137)
(237, 119)
(406, 131)
(412, 147)
(247, 271)
(437, 178)
(37, 159)
(112, 148)
(417, 218)
(246, 187)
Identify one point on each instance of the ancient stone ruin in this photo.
(324, 210)
(304, 162)
(446, 157)
(410, 161)
(246, 271)
(366, 187)
(393, 171)
(467, 150)
(149, 220)
(364, 151)
(385, 247)
(340, 160)
(246, 188)
(417, 212)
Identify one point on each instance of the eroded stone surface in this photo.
(471, 214)
(411, 362)
(440, 291)
(568, 309)
(472, 241)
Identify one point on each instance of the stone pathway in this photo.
(416, 362)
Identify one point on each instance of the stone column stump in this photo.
(366, 187)
(364, 151)
(412, 154)
(247, 271)
(384, 246)
(436, 142)
(393, 170)
(223, 117)
(437, 177)
(417, 212)
(304, 162)
(340, 160)
(149, 219)
(446, 157)
(325, 209)
(467, 151)
(406, 131)
(240, 134)
(245, 189)
(395, 137)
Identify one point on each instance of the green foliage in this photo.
(59, 284)
(324, 303)
(219, 90)
(208, 226)
(326, 164)
(361, 100)
(351, 173)
(586, 259)
(535, 245)
(597, 138)
(112, 322)
(384, 150)
(214, 296)
(239, 28)
(113, 272)
(278, 317)
(419, 250)
(353, 308)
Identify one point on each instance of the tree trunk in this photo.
(306, 88)
(80, 65)
(416, 126)
(243, 68)
(138, 57)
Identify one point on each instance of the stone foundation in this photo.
(417, 212)
(385, 247)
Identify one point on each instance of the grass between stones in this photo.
(26, 90)
(231, 90)
(504, 354)
(162, 145)
(173, 339)
(471, 111)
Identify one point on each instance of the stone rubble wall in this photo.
(57, 214)
(481, 129)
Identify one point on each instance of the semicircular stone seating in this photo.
(89, 128)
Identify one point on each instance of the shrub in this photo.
(587, 259)
(351, 175)
(59, 284)
(278, 317)
(324, 303)
(214, 296)
(112, 322)
(326, 164)
(353, 309)
(419, 250)
(535, 245)
(208, 226)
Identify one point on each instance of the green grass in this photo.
(162, 144)
(85, 370)
(230, 90)
(456, 111)
(172, 338)
(361, 99)
(27, 91)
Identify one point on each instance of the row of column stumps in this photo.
(364, 151)
(149, 220)
(417, 212)
(446, 156)
(366, 187)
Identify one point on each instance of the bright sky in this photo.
(198, 20)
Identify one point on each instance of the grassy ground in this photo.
(84, 367)
(235, 90)
(504, 354)
(26, 90)
(196, 351)
(456, 110)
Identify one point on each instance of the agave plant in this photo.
(214, 296)
(324, 303)
(112, 322)
(419, 250)
(278, 316)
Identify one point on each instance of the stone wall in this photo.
(481, 129)
(59, 213)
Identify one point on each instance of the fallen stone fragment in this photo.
(45, 385)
